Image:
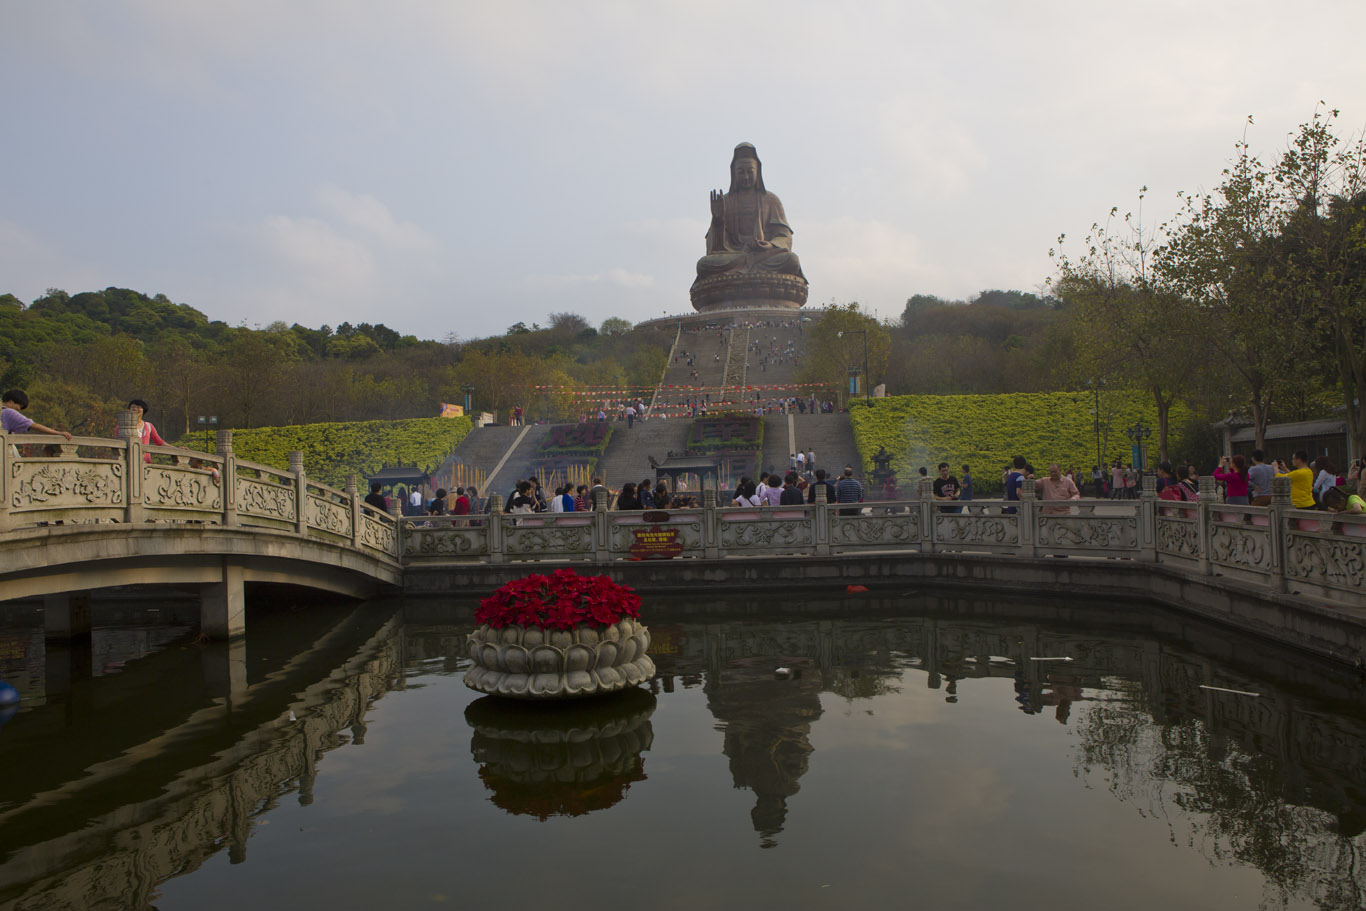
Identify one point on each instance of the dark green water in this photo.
(916, 755)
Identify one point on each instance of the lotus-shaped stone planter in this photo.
(556, 760)
(527, 662)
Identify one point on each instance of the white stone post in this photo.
(132, 484)
(1147, 518)
(1205, 514)
(495, 529)
(711, 528)
(821, 496)
(1279, 524)
(602, 527)
(6, 521)
(356, 517)
(228, 478)
(924, 489)
(296, 466)
(1028, 508)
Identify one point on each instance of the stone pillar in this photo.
(66, 616)
(354, 497)
(1278, 521)
(924, 489)
(602, 527)
(296, 467)
(6, 522)
(495, 529)
(229, 476)
(132, 484)
(1028, 504)
(821, 513)
(222, 611)
(1147, 518)
(1205, 515)
(711, 524)
(225, 672)
(66, 664)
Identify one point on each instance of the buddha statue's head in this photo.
(746, 173)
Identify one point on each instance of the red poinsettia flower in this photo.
(562, 600)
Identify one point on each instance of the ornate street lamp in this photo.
(1137, 434)
(205, 423)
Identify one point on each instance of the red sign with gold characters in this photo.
(655, 543)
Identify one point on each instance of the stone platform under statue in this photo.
(749, 262)
(748, 290)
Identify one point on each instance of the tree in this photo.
(1128, 328)
(1223, 255)
(835, 344)
(568, 323)
(615, 325)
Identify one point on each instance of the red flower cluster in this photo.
(562, 600)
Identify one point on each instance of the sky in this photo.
(450, 168)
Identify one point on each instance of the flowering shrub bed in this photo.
(987, 431)
(566, 440)
(562, 600)
(729, 433)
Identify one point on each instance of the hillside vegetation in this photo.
(334, 451)
(987, 431)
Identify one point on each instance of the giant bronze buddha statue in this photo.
(749, 261)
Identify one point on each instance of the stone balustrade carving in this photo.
(89, 480)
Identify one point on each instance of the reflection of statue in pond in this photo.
(749, 261)
(767, 723)
(561, 760)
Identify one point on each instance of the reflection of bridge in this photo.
(188, 756)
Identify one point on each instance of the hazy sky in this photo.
(455, 167)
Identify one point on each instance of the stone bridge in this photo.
(96, 513)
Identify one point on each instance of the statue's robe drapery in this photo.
(749, 216)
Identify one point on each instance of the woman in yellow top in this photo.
(1301, 480)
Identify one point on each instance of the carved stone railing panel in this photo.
(325, 514)
(265, 500)
(1331, 561)
(1179, 537)
(539, 537)
(379, 533)
(1240, 547)
(1082, 532)
(874, 532)
(976, 531)
(768, 535)
(449, 541)
(49, 484)
(180, 487)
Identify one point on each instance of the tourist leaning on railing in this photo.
(1301, 480)
(1335, 499)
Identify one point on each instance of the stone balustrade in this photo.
(1315, 553)
(50, 481)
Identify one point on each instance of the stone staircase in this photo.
(628, 453)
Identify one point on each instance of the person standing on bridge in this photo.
(146, 433)
(13, 421)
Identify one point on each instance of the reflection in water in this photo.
(135, 777)
(563, 759)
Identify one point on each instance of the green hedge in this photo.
(987, 431)
(334, 451)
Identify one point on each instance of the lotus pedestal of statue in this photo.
(743, 290)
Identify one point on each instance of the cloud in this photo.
(617, 277)
(371, 216)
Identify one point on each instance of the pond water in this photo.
(915, 753)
